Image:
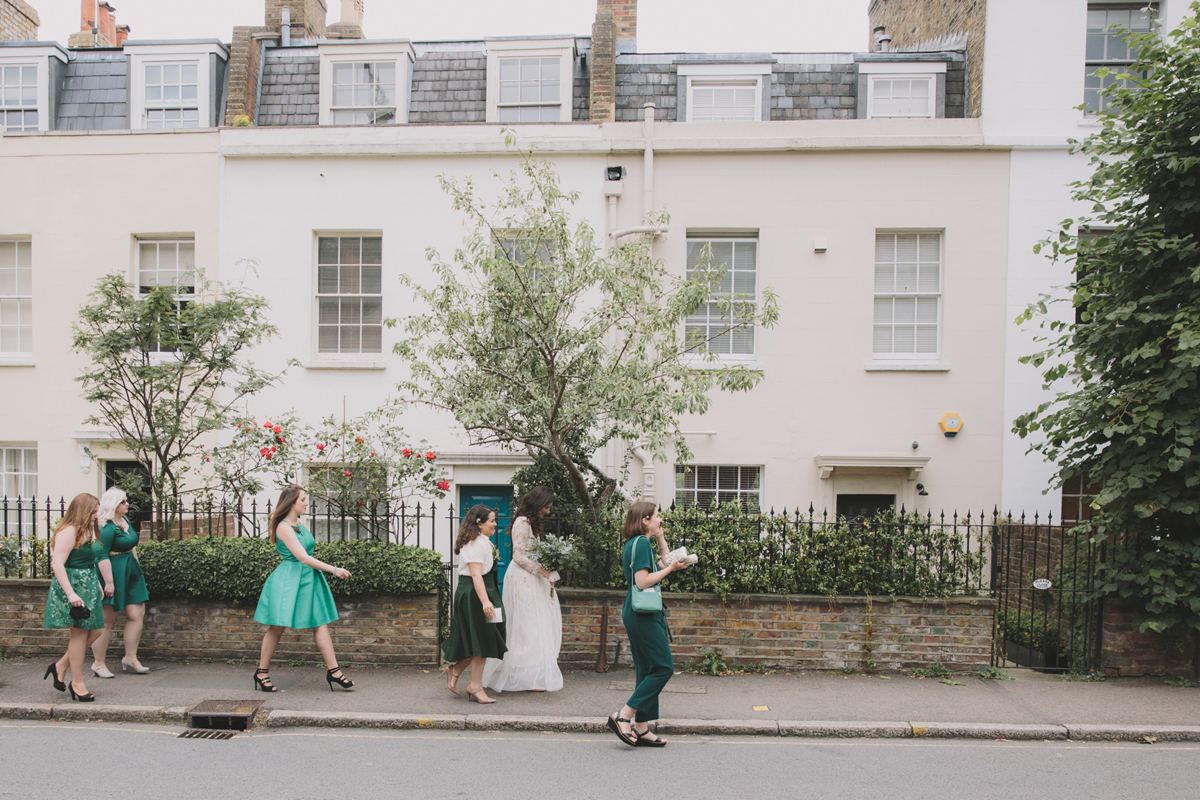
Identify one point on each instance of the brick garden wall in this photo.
(1126, 652)
(384, 629)
(795, 631)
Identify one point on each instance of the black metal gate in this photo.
(1042, 579)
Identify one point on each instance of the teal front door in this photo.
(500, 499)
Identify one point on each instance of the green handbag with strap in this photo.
(648, 600)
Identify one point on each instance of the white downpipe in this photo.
(648, 159)
(655, 229)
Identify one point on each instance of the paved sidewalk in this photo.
(1033, 706)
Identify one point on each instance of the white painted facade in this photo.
(828, 419)
(1033, 80)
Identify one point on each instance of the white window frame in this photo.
(905, 70)
(914, 357)
(696, 75)
(198, 53)
(368, 359)
(21, 476)
(399, 51)
(1118, 64)
(38, 57)
(739, 492)
(549, 47)
(24, 356)
(696, 236)
(180, 297)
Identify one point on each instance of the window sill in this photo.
(345, 365)
(906, 366)
(699, 363)
(16, 361)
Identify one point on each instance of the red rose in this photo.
(263, 451)
(443, 485)
(239, 424)
(372, 452)
(279, 439)
(266, 424)
(268, 456)
(358, 440)
(274, 449)
(346, 474)
(320, 447)
(277, 429)
(406, 452)
(360, 503)
(429, 455)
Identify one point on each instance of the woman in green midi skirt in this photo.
(477, 622)
(296, 594)
(124, 585)
(75, 598)
(648, 642)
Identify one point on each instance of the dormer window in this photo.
(18, 97)
(902, 89)
(172, 94)
(723, 92)
(365, 83)
(530, 80)
(173, 84)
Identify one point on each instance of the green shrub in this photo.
(233, 569)
(1032, 629)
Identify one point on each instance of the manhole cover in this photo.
(230, 715)
(204, 734)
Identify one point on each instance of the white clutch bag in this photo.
(497, 615)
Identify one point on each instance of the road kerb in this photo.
(1133, 733)
(719, 727)
(93, 712)
(986, 730)
(25, 710)
(278, 718)
(509, 722)
(846, 730)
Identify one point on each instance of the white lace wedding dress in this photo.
(533, 627)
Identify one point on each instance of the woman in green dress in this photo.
(477, 624)
(124, 584)
(296, 594)
(75, 598)
(648, 642)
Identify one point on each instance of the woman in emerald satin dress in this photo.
(648, 643)
(474, 637)
(296, 594)
(75, 550)
(124, 585)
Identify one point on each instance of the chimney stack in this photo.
(307, 17)
(122, 35)
(614, 32)
(19, 21)
(97, 25)
(350, 26)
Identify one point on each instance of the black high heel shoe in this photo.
(83, 698)
(53, 670)
(340, 680)
(264, 683)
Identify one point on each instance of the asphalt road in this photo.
(99, 761)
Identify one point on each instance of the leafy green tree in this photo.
(1127, 368)
(536, 339)
(165, 373)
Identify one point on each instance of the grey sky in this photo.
(663, 25)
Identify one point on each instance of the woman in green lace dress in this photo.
(74, 599)
(296, 594)
(124, 584)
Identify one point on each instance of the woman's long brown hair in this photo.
(287, 499)
(532, 503)
(635, 520)
(469, 531)
(81, 515)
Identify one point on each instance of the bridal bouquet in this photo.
(554, 553)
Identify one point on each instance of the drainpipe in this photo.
(285, 26)
(648, 160)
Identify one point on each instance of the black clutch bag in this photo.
(80, 612)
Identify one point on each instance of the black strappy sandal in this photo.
(616, 728)
(642, 741)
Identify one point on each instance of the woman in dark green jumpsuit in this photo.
(652, 662)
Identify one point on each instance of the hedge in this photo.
(233, 569)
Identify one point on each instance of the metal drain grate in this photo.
(232, 715)
(198, 733)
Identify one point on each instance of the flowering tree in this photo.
(534, 338)
(269, 450)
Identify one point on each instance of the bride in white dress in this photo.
(533, 629)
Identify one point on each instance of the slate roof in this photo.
(95, 93)
(449, 87)
(290, 92)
